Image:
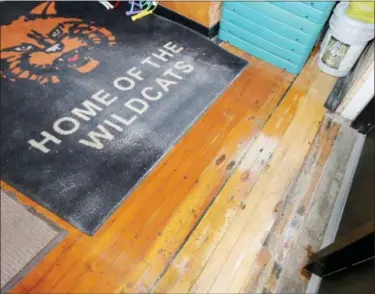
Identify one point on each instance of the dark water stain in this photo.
(231, 165)
(220, 159)
(329, 123)
(301, 210)
(266, 290)
(277, 207)
(266, 240)
(245, 175)
(306, 273)
(277, 269)
(309, 250)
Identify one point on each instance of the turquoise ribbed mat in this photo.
(281, 33)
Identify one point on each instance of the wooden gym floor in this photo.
(207, 217)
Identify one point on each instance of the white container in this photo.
(343, 43)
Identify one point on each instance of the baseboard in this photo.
(167, 13)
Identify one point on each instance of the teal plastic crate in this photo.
(260, 53)
(324, 6)
(287, 17)
(301, 9)
(264, 33)
(268, 22)
(261, 43)
(281, 33)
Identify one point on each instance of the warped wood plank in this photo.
(184, 270)
(269, 264)
(229, 264)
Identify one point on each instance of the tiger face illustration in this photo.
(40, 45)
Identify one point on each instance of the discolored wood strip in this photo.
(313, 224)
(229, 264)
(188, 264)
(291, 214)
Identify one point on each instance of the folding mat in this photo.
(91, 101)
(25, 239)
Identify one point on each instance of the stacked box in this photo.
(281, 33)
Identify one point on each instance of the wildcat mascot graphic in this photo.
(38, 46)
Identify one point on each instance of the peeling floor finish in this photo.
(236, 197)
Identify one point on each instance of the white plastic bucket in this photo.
(343, 43)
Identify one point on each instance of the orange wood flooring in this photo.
(206, 13)
(140, 246)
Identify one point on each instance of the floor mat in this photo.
(91, 101)
(25, 239)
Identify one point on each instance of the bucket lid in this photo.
(340, 24)
(340, 12)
